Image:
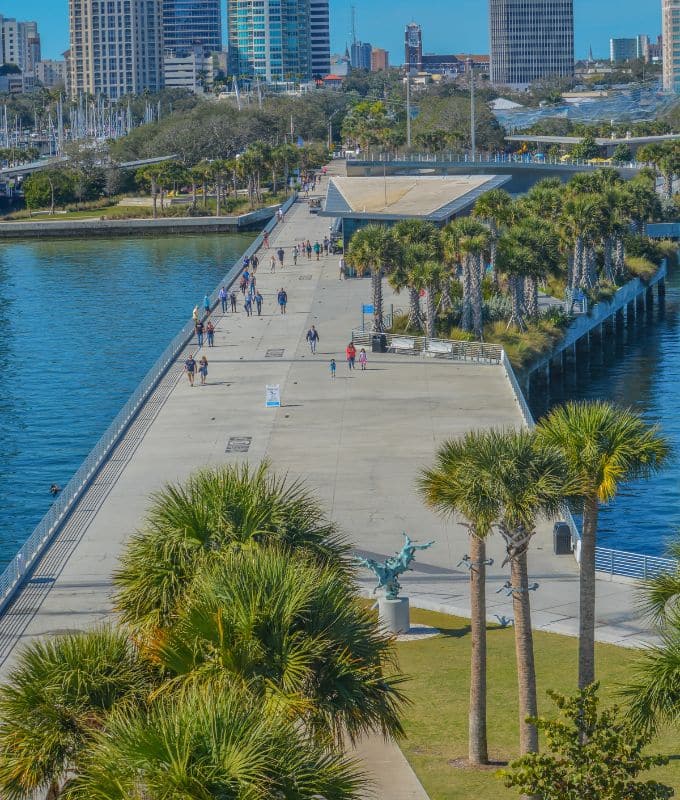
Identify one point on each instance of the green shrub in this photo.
(641, 268)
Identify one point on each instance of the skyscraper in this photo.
(360, 55)
(270, 39)
(320, 38)
(188, 24)
(19, 43)
(380, 59)
(671, 45)
(413, 48)
(530, 40)
(115, 47)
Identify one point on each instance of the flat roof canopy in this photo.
(432, 197)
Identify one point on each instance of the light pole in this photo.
(330, 128)
(473, 126)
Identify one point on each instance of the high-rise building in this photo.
(320, 33)
(188, 24)
(530, 40)
(192, 70)
(380, 59)
(621, 50)
(413, 48)
(51, 72)
(670, 25)
(19, 44)
(270, 39)
(116, 47)
(360, 55)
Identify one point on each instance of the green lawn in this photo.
(436, 723)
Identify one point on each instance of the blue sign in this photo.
(367, 309)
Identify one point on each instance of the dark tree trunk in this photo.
(477, 737)
(586, 640)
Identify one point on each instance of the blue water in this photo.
(641, 370)
(82, 323)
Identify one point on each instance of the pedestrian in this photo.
(296, 252)
(313, 339)
(254, 263)
(343, 269)
(194, 315)
(326, 245)
(333, 367)
(272, 264)
(210, 330)
(190, 369)
(248, 305)
(317, 250)
(308, 248)
(281, 254)
(258, 303)
(265, 240)
(232, 300)
(203, 369)
(246, 263)
(282, 297)
(199, 333)
(243, 285)
(206, 304)
(351, 353)
(279, 215)
(223, 299)
(253, 283)
(363, 359)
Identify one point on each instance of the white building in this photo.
(19, 43)
(192, 71)
(115, 47)
(671, 45)
(51, 72)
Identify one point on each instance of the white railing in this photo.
(632, 565)
(459, 158)
(48, 527)
(450, 349)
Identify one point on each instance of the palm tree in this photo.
(428, 276)
(641, 201)
(201, 173)
(152, 174)
(465, 242)
(530, 482)
(215, 510)
(494, 210)
(604, 446)
(209, 745)
(59, 694)
(374, 249)
(420, 242)
(582, 221)
(280, 625)
(461, 482)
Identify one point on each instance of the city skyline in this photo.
(594, 24)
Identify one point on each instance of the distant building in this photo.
(360, 55)
(333, 81)
(413, 48)
(655, 51)
(380, 59)
(272, 41)
(670, 25)
(531, 40)
(622, 50)
(188, 24)
(50, 73)
(193, 71)
(445, 64)
(320, 37)
(340, 64)
(19, 43)
(115, 54)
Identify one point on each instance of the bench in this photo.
(403, 344)
(435, 349)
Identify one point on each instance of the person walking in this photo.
(317, 250)
(279, 215)
(351, 354)
(282, 297)
(190, 369)
(265, 240)
(194, 315)
(281, 254)
(326, 245)
(248, 305)
(203, 369)
(296, 252)
(232, 300)
(343, 268)
(272, 264)
(210, 330)
(243, 285)
(363, 359)
(199, 333)
(223, 299)
(206, 304)
(253, 284)
(333, 367)
(313, 339)
(308, 248)
(258, 303)
(254, 263)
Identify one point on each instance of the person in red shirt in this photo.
(351, 353)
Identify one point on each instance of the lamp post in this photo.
(473, 126)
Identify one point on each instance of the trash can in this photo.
(562, 539)
(379, 343)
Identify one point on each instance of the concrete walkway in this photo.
(360, 441)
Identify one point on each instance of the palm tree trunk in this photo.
(619, 256)
(475, 267)
(218, 197)
(154, 197)
(445, 302)
(578, 263)
(477, 739)
(194, 198)
(517, 297)
(586, 640)
(493, 255)
(205, 194)
(608, 248)
(466, 317)
(53, 791)
(414, 320)
(589, 267)
(524, 652)
(531, 296)
(376, 280)
(431, 313)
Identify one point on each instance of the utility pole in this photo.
(408, 108)
(473, 126)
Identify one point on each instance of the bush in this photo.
(641, 268)
(644, 247)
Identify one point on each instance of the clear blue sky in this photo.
(448, 25)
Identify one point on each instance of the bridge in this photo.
(524, 172)
(610, 143)
(47, 163)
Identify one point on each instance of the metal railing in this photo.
(485, 159)
(632, 565)
(450, 349)
(48, 527)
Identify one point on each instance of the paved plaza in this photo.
(359, 441)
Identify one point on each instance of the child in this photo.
(333, 367)
(363, 359)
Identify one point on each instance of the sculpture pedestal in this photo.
(393, 615)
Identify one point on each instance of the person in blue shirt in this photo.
(223, 299)
(206, 304)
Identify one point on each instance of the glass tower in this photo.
(270, 40)
(320, 38)
(530, 40)
(190, 24)
(671, 45)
